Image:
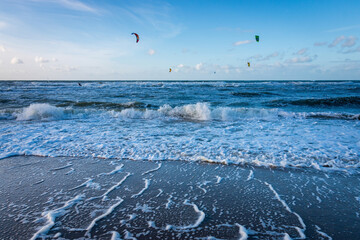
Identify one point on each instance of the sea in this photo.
(277, 124)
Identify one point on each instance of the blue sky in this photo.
(91, 40)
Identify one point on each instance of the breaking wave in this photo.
(41, 111)
(203, 112)
(189, 112)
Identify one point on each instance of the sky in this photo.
(197, 39)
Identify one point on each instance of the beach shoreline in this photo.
(90, 198)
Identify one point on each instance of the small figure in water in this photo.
(79, 84)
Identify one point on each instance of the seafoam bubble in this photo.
(198, 111)
(41, 111)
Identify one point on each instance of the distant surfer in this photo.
(79, 84)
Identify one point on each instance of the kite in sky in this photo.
(137, 37)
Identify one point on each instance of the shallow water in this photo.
(89, 198)
(283, 124)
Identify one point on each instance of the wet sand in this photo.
(90, 198)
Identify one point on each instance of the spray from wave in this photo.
(190, 112)
(41, 111)
(203, 112)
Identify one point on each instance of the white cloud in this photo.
(151, 52)
(242, 42)
(72, 4)
(349, 42)
(337, 41)
(343, 28)
(198, 66)
(41, 60)
(180, 65)
(319, 44)
(275, 54)
(2, 48)
(301, 51)
(259, 57)
(301, 59)
(353, 50)
(16, 60)
(159, 16)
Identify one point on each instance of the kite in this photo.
(137, 37)
(248, 64)
(257, 38)
(169, 69)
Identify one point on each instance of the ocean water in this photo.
(289, 124)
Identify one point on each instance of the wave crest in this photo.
(41, 111)
(198, 111)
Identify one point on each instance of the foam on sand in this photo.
(199, 220)
(88, 183)
(287, 237)
(153, 170)
(53, 214)
(322, 233)
(62, 167)
(116, 170)
(251, 175)
(147, 184)
(108, 211)
(243, 232)
(115, 236)
(104, 196)
(300, 231)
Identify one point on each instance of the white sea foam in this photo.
(62, 167)
(115, 236)
(53, 214)
(147, 184)
(243, 232)
(287, 237)
(41, 111)
(191, 132)
(128, 235)
(104, 196)
(218, 179)
(251, 175)
(300, 231)
(202, 111)
(152, 170)
(88, 183)
(169, 202)
(105, 214)
(199, 220)
(145, 208)
(198, 111)
(116, 170)
(322, 233)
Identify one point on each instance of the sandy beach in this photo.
(91, 198)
